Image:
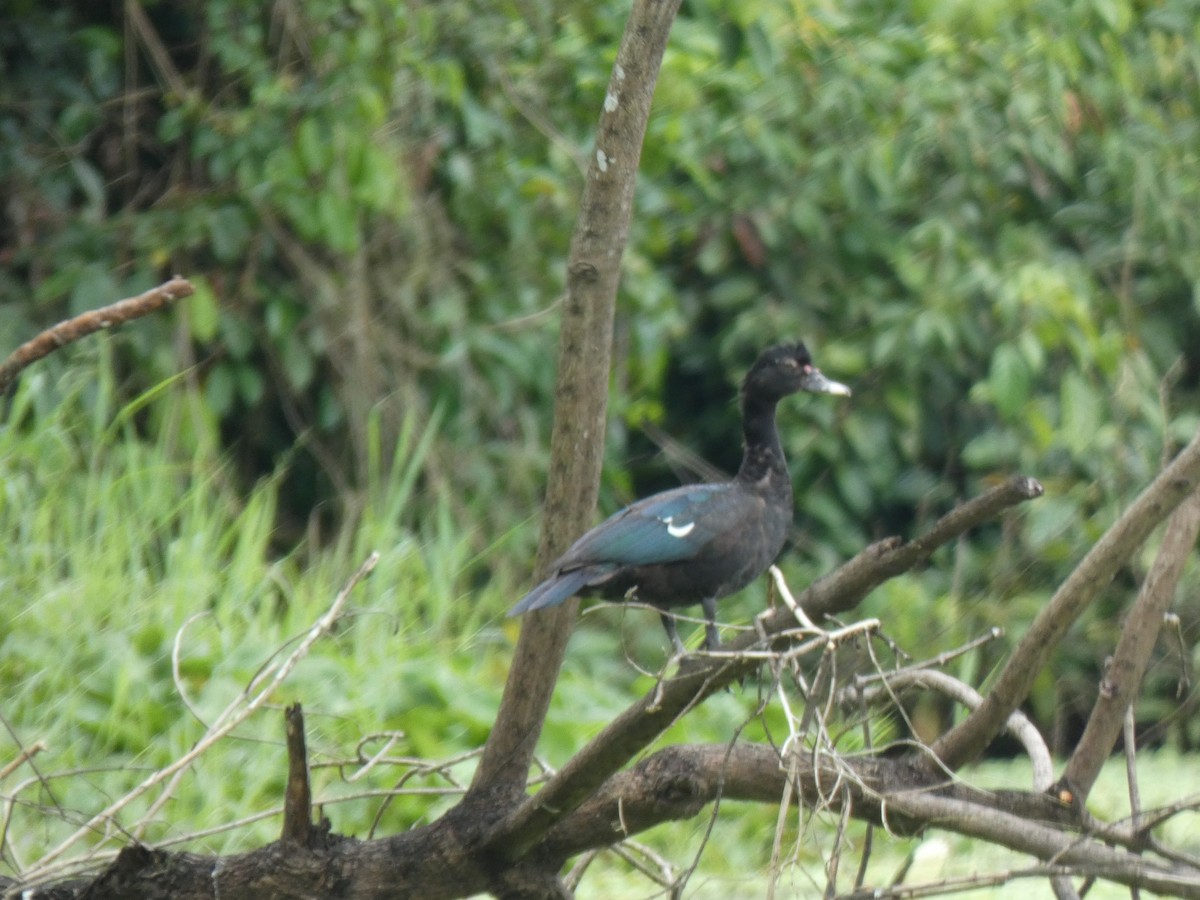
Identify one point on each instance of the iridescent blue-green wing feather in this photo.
(668, 527)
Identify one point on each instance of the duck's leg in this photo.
(712, 640)
(669, 624)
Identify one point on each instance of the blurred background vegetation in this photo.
(984, 216)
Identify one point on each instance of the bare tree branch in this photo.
(888, 558)
(1094, 572)
(677, 782)
(1029, 835)
(581, 396)
(674, 783)
(1123, 676)
(86, 323)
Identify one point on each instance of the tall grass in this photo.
(126, 535)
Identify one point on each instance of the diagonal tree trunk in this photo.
(581, 396)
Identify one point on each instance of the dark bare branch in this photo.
(889, 558)
(297, 798)
(674, 783)
(1029, 835)
(677, 782)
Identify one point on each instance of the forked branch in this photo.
(1123, 675)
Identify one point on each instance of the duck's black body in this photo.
(700, 542)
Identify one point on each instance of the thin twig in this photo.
(177, 668)
(790, 601)
(1017, 725)
(934, 662)
(1135, 796)
(27, 753)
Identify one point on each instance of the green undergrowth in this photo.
(143, 591)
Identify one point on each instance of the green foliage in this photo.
(981, 215)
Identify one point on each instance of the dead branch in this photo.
(1123, 676)
(969, 738)
(677, 782)
(1043, 841)
(674, 783)
(297, 796)
(86, 323)
(888, 558)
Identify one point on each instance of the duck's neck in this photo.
(762, 460)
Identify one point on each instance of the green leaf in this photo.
(298, 363)
(1081, 412)
(229, 231)
(312, 148)
(218, 390)
(1009, 381)
(203, 311)
(95, 288)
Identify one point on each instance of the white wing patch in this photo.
(679, 531)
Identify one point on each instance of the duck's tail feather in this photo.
(553, 591)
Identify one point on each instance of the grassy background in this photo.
(127, 537)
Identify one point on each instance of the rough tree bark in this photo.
(581, 396)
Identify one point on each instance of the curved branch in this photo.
(1018, 725)
(677, 782)
(89, 322)
(1094, 572)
